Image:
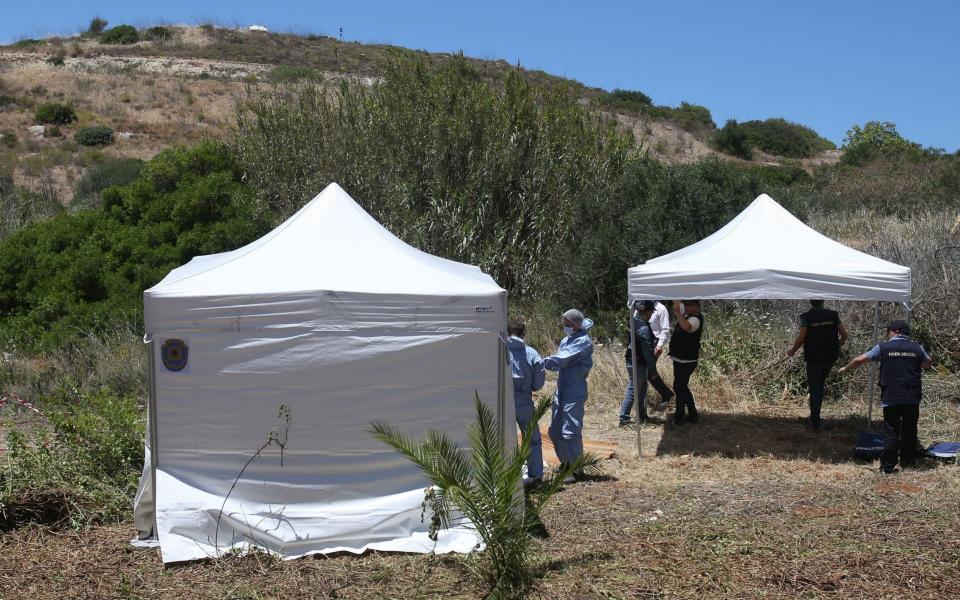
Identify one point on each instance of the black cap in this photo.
(900, 326)
(644, 305)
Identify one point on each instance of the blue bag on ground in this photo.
(944, 449)
(869, 445)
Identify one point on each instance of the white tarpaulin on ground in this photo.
(767, 253)
(334, 318)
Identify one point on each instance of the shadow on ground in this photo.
(735, 435)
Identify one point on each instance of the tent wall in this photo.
(338, 488)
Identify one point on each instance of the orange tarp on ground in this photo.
(599, 448)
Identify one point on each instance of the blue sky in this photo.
(826, 64)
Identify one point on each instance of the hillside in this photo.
(182, 89)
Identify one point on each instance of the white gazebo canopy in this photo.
(767, 253)
(335, 322)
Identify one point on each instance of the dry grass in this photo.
(747, 504)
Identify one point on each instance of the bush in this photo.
(625, 101)
(775, 136)
(157, 33)
(732, 140)
(57, 59)
(20, 207)
(96, 27)
(110, 172)
(292, 73)
(121, 34)
(878, 140)
(482, 485)
(52, 131)
(76, 273)
(82, 468)
(53, 113)
(96, 135)
(8, 139)
(451, 164)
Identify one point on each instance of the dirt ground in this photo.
(747, 504)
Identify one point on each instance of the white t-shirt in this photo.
(660, 324)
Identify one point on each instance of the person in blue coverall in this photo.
(573, 362)
(528, 377)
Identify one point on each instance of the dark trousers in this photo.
(900, 435)
(816, 376)
(681, 387)
(654, 378)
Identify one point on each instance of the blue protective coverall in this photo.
(528, 377)
(573, 360)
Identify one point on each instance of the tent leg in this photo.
(153, 426)
(633, 367)
(873, 367)
(501, 408)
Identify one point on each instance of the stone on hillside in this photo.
(258, 28)
(126, 135)
(36, 130)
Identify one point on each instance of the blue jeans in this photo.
(524, 412)
(627, 405)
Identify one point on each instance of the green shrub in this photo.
(27, 43)
(732, 139)
(451, 164)
(878, 140)
(57, 59)
(783, 138)
(95, 135)
(8, 139)
(292, 73)
(76, 273)
(625, 101)
(53, 113)
(52, 131)
(96, 27)
(110, 172)
(81, 469)
(121, 34)
(20, 207)
(482, 484)
(157, 33)
(693, 117)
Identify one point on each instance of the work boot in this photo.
(678, 418)
(693, 418)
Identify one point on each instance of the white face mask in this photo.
(568, 330)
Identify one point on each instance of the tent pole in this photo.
(633, 367)
(501, 358)
(153, 426)
(873, 366)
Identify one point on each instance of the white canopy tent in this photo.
(766, 253)
(340, 322)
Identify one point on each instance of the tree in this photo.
(876, 139)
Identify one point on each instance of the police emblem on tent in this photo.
(174, 354)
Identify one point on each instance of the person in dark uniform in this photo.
(646, 364)
(685, 353)
(902, 362)
(821, 335)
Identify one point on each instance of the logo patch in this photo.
(173, 352)
(483, 309)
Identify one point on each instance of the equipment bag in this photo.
(869, 445)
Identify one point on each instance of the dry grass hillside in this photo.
(182, 89)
